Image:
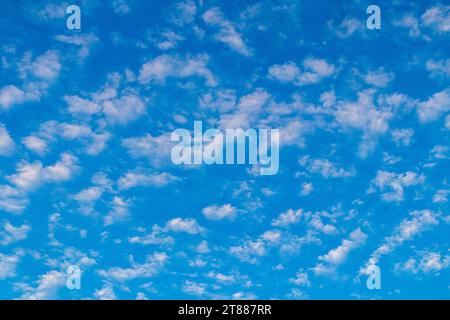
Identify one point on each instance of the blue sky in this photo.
(86, 177)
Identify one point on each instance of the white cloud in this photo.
(315, 71)
(379, 78)
(438, 68)
(45, 67)
(214, 212)
(151, 267)
(348, 27)
(121, 7)
(167, 40)
(46, 287)
(156, 149)
(194, 288)
(434, 107)
(167, 66)
(249, 250)
(138, 178)
(11, 95)
(185, 12)
(11, 234)
(437, 18)
(441, 196)
(6, 143)
(247, 110)
(287, 218)
(221, 278)
(301, 279)
(36, 144)
(402, 137)
(184, 225)
(325, 168)
(31, 175)
(306, 189)
(84, 42)
(51, 11)
(227, 31)
(8, 265)
(118, 104)
(118, 213)
(12, 200)
(440, 152)
(287, 72)
(36, 74)
(396, 184)
(428, 262)
(105, 293)
(337, 256)
(94, 142)
(418, 222)
(363, 115)
(411, 22)
(156, 236)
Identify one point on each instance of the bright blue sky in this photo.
(85, 171)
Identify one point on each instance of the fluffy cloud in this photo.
(337, 256)
(119, 211)
(31, 175)
(156, 149)
(36, 144)
(152, 266)
(434, 107)
(402, 137)
(84, 42)
(437, 18)
(189, 226)
(396, 183)
(378, 78)
(438, 68)
(418, 222)
(37, 74)
(6, 143)
(325, 168)
(138, 178)
(301, 279)
(11, 95)
(219, 212)
(47, 286)
(247, 110)
(11, 234)
(167, 66)
(94, 142)
(105, 293)
(117, 102)
(287, 218)
(315, 71)
(226, 31)
(194, 288)
(8, 265)
(428, 262)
